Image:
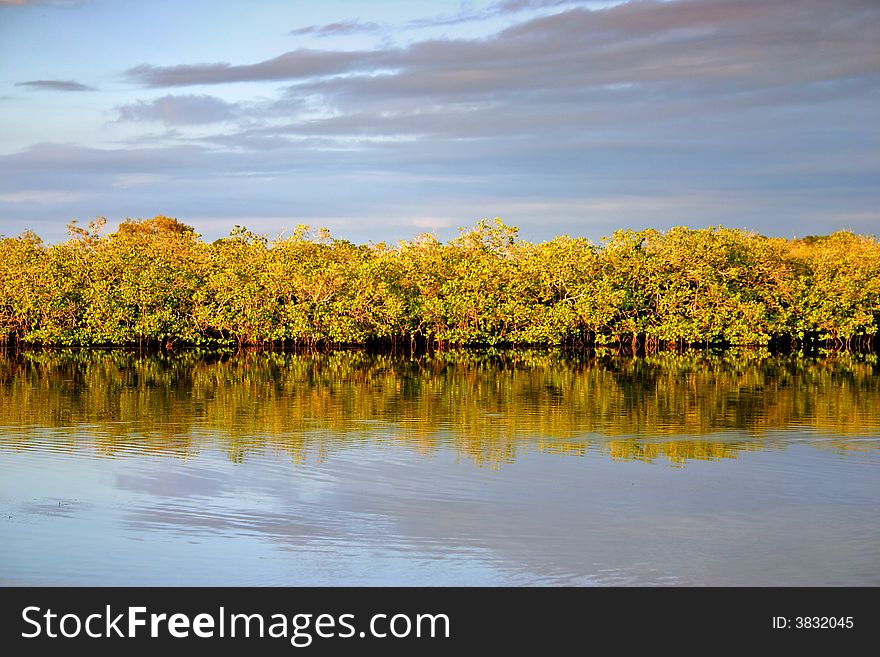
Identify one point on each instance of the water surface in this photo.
(520, 468)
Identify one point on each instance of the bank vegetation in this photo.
(155, 282)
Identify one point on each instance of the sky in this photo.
(382, 120)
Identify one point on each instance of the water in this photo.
(524, 468)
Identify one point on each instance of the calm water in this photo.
(521, 468)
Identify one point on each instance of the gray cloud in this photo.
(743, 44)
(304, 64)
(749, 113)
(621, 69)
(54, 85)
(297, 64)
(338, 28)
(179, 110)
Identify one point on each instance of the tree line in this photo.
(156, 282)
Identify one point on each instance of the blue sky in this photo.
(382, 120)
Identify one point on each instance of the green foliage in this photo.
(154, 281)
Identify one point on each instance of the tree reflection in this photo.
(488, 406)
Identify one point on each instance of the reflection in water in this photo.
(485, 405)
(356, 468)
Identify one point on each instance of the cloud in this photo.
(70, 161)
(54, 85)
(42, 196)
(463, 16)
(304, 64)
(297, 64)
(129, 180)
(339, 28)
(502, 8)
(647, 67)
(513, 6)
(649, 94)
(738, 45)
(179, 110)
(753, 113)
